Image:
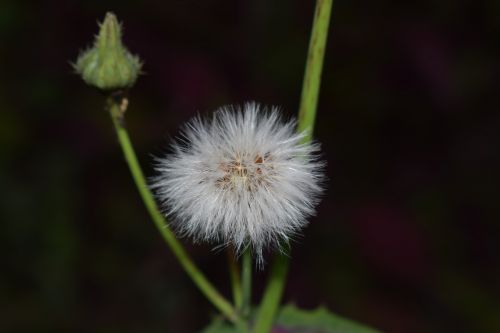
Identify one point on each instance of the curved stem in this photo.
(307, 116)
(196, 275)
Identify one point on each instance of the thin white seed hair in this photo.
(242, 177)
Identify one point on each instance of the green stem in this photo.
(272, 295)
(196, 275)
(314, 67)
(307, 116)
(234, 274)
(246, 273)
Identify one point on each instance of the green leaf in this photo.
(219, 325)
(291, 319)
(320, 320)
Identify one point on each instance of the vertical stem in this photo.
(196, 275)
(246, 273)
(234, 274)
(272, 295)
(307, 116)
(314, 67)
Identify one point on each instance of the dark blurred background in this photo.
(406, 239)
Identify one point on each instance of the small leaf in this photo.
(219, 325)
(294, 320)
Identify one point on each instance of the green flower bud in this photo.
(108, 65)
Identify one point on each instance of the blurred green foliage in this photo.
(294, 320)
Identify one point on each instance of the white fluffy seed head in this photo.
(242, 177)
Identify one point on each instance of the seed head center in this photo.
(240, 172)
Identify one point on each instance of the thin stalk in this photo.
(272, 296)
(307, 116)
(234, 273)
(246, 272)
(314, 67)
(186, 262)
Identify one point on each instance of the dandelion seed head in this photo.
(242, 177)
